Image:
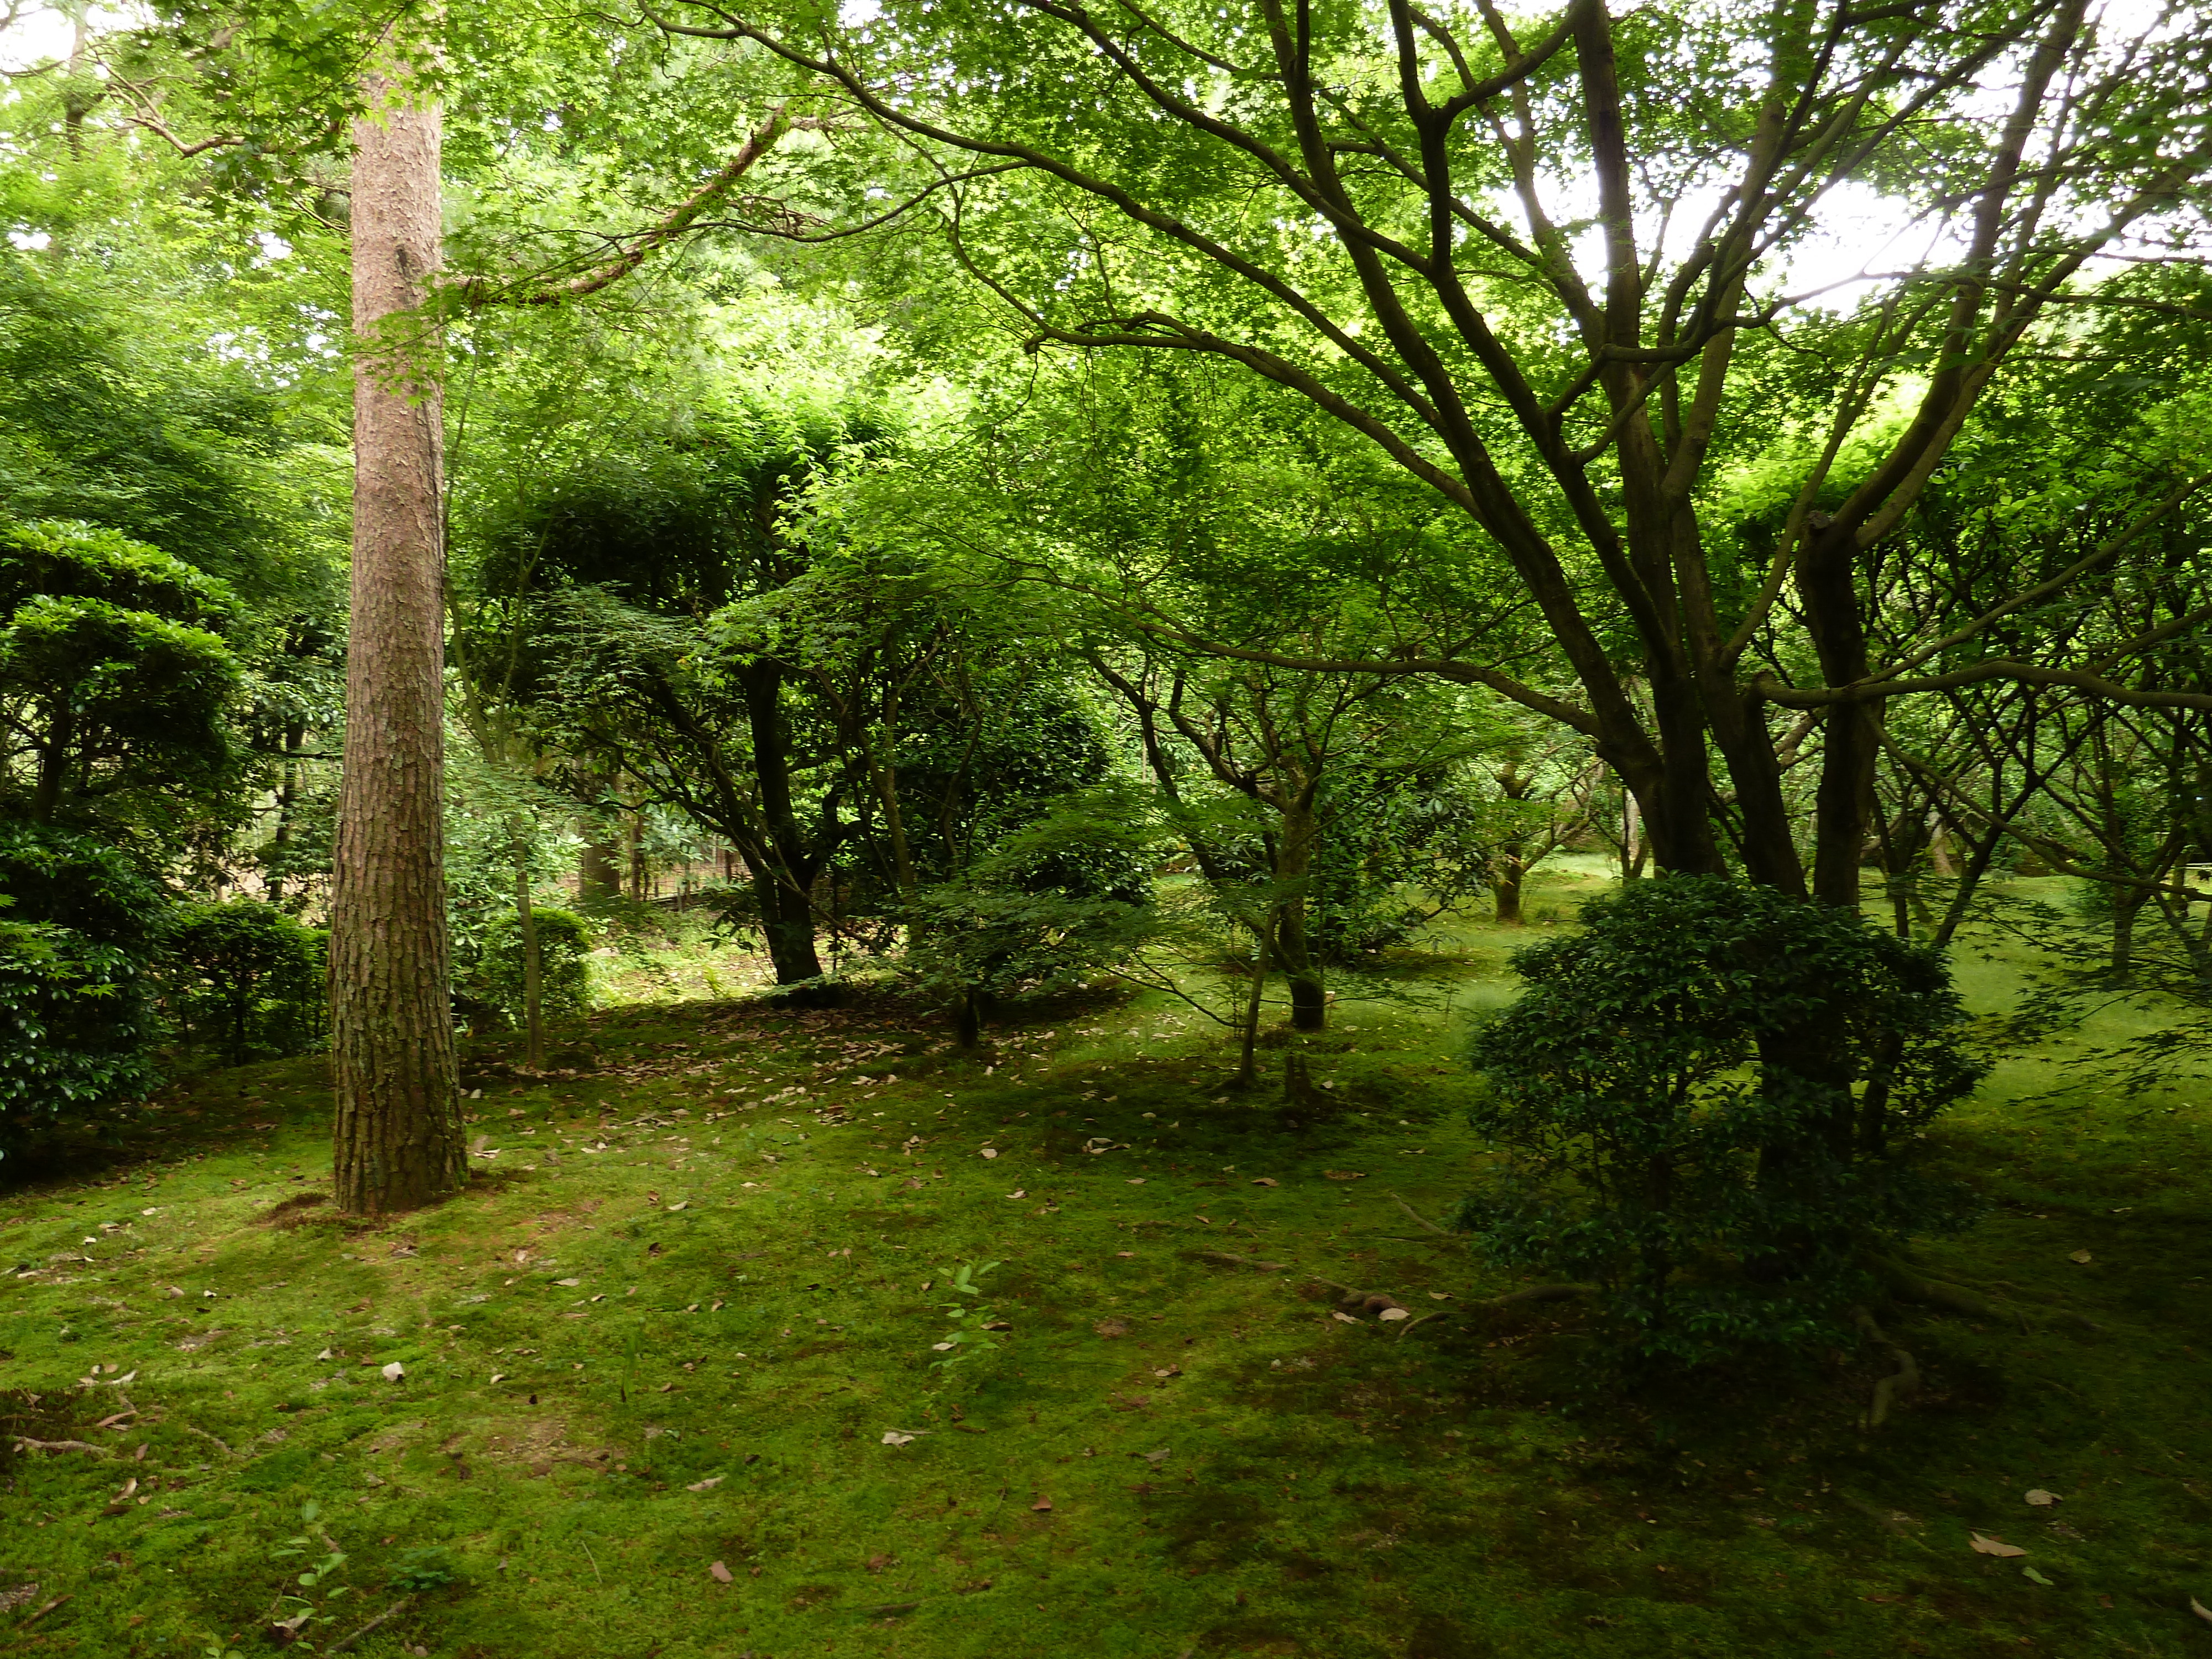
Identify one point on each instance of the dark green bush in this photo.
(1056, 899)
(564, 949)
(244, 979)
(76, 1026)
(1708, 1101)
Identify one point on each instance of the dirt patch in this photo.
(294, 1210)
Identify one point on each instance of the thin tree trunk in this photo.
(53, 761)
(1263, 952)
(1293, 866)
(288, 795)
(398, 1132)
(533, 982)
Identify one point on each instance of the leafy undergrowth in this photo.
(665, 1381)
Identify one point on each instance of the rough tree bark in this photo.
(397, 1136)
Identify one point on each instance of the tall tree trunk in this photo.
(786, 886)
(398, 1135)
(598, 876)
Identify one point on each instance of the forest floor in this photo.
(659, 1384)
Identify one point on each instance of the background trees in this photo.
(1396, 448)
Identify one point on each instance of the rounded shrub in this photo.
(79, 926)
(245, 979)
(564, 979)
(1707, 1102)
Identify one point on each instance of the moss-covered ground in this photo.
(666, 1381)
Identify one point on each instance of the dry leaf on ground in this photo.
(2080, 1255)
(1042, 1503)
(708, 1484)
(1111, 1328)
(394, 1371)
(722, 1573)
(1982, 1545)
(1263, 1181)
(2040, 1498)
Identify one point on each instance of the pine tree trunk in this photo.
(398, 1137)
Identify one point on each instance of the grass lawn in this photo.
(663, 1382)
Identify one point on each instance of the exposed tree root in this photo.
(1533, 1293)
(1421, 1221)
(1223, 1258)
(1902, 1384)
(24, 1442)
(1907, 1285)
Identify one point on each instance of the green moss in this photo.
(1292, 1485)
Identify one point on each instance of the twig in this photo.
(594, 1561)
(341, 1645)
(46, 1609)
(24, 1442)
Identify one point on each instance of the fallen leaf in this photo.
(1263, 1181)
(568, 1284)
(1017, 1193)
(722, 1573)
(1125, 1254)
(685, 1205)
(1440, 1295)
(1346, 1317)
(2080, 1255)
(1135, 1180)
(893, 1437)
(1982, 1545)
(2033, 1576)
(1111, 1328)
(1042, 1503)
(1345, 1175)
(326, 1354)
(708, 1484)
(2200, 1610)
(990, 1151)
(499, 1377)
(1155, 1456)
(1394, 1313)
(1172, 1371)
(2040, 1498)
(394, 1371)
